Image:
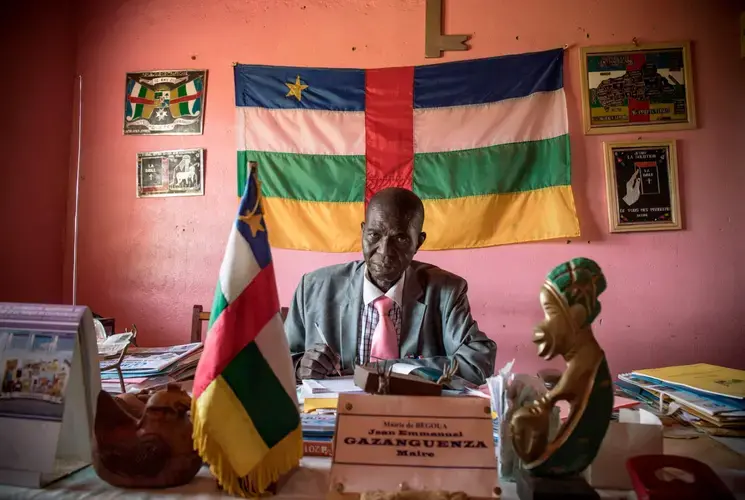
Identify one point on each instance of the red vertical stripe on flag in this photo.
(236, 327)
(389, 129)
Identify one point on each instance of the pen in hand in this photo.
(323, 337)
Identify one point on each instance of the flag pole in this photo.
(77, 195)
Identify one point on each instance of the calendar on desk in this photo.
(48, 385)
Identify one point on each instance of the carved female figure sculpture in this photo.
(569, 298)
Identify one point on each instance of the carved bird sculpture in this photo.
(145, 440)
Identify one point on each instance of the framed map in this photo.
(170, 173)
(642, 186)
(165, 102)
(634, 88)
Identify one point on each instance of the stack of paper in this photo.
(710, 397)
(324, 394)
(150, 367)
(113, 346)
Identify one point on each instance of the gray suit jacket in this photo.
(436, 322)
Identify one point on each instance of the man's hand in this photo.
(318, 362)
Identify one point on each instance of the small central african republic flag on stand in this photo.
(245, 410)
(484, 143)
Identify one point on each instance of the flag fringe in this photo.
(280, 459)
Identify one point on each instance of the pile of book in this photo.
(318, 399)
(152, 367)
(318, 432)
(711, 398)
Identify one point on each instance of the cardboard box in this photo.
(637, 432)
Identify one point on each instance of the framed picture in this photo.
(170, 173)
(642, 186)
(165, 102)
(630, 88)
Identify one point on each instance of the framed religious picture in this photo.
(642, 186)
(170, 173)
(637, 88)
(165, 102)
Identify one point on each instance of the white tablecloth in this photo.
(310, 481)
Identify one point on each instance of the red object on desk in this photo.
(670, 477)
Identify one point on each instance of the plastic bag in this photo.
(508, 393)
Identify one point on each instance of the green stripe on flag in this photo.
(183, 108)
(261, 393)
(506, 168)
(181, 91)
(142, 92)
(138, 110)
(219, 303)
(335, 178)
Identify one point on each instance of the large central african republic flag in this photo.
(484, 143)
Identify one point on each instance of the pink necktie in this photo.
(384, 340)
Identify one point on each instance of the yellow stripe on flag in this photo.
(229, 428)
(468, 222)
(341, 223)
(482, 221)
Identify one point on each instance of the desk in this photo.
(311, 480)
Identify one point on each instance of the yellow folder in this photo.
(313, 404)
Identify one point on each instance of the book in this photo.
(702, 377)
(314, 387)
(660, 396)
(318, 448)
(318, 426)
(330, 386)
(703, 402)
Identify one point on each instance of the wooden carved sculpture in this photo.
(569, 298)
(145, 440)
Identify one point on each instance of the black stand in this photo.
(547, 488)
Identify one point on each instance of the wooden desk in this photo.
(311, 480)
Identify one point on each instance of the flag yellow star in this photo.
(252, 217)
(254, 223)
(296, 89)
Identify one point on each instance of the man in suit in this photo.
(388, 306)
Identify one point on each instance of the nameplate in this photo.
(391, 443)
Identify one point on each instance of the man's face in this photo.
(389, 242)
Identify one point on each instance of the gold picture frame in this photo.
(611, 75)
(641, 181)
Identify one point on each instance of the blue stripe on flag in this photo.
(260, 243)
(328, 89)
(481, 81)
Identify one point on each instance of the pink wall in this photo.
(37, 87)
(673, 297)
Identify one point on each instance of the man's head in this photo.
(391, 234)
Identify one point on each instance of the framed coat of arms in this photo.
(165, 102)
